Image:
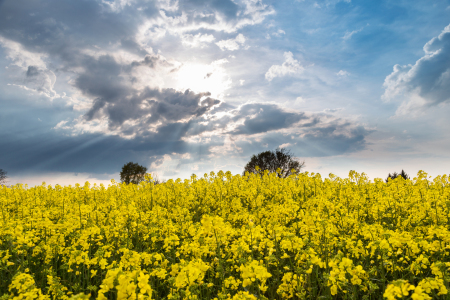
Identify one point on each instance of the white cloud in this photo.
(343, 73)
(197, 41)
(279, 33)
(117, 5)
(229, 147)
(327, 3)
(299, 100)
(61, 125)
(241, 82)
(348, 35)
(181, 22)
(40, 81)
(285, 145)
(31, 69)
(169, 5)
(232, 44)
(427, 82)
(332, 110)
(185, 156)
(21, 57)
(290, 66)
(159, 163)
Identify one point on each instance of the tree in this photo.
(281, 159)
(395, 175)
(3, 177)
(132, 173)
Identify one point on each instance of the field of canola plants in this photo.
(228, 236)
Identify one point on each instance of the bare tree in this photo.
(156, 180)
(281, 159)
(3, 177)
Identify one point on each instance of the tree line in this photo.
(280, 161)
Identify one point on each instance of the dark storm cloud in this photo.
(32, 71)
(130, 45)
(59, 27)
(265, 117)
(152, 61)
(429, 77)
(27, 144)
(103, 81)
(118, 101)
(313, 134)
(316, 142)
(84, 153)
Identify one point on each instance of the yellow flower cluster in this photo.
(227, 236)
(254, 272)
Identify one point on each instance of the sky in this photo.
(194, 86)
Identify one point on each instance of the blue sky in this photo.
(195, 86)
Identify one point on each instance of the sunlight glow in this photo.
(204, 78)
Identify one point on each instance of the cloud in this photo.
(21, 57)
(311, 134)
(327, 3)
(133, 103)
(232, 44)
(191, 16)
(40, 81)
(63, 37)
(285, 145)
(290, 66)
(208, 135)
(228, 147)
(120, 107)
(342, 73)
(197, 41)
(299, 100)
(279, 33)
(348, 34)
(427, 82)
(158, 162)
(130, 111)
(258, 118)
(332, 110)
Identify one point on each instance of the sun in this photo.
(199, 78)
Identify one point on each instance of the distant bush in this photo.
(395, 175)
(3, 177)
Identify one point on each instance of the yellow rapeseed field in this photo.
(228, 237)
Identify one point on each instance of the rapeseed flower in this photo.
(223, 236)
